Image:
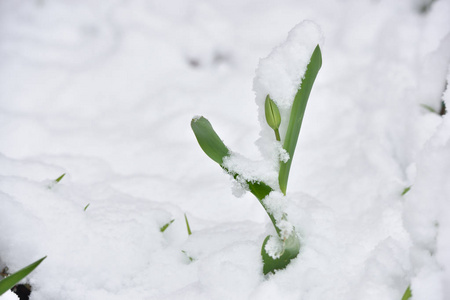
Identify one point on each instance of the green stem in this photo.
(277, 135)
(261, 190)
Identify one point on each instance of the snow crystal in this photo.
(275, 204)
(252, 171)
(283, 155)
(286, 229)
(274, 247)
(239, 186)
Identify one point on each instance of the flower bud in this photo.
(273, 117)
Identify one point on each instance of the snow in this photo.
(9, 296)
(104, 91)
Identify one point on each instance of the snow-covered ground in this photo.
(104, 91)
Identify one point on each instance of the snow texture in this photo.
(104, 91)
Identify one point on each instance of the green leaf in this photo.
(10, 281)
(60, 177)
(429, 108)
(291, 248)
(297, 113)
(162, 229)
(407, 294)
(208, 139)
(261, 190)
(406, 190)
(191, 259)
(213, 146)
(86, 207)
(187, 225)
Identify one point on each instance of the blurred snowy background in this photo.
(104, 91)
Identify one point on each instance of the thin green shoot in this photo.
(10, 281)
(86, 207)
(442, 110)
(60, 177)
(165, 226)
(406, 190)
(429, 108)
(56, 181)
(189, 257)
(187, 225)
(407, 294)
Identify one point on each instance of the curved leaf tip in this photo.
(208, 139)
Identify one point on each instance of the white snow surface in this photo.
(104, 91)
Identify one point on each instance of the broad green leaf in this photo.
(208, 139)
(259, 189)
(407, 294)
(213, 146)
(10, 281)
(297, 113)
(291, 248)
(164, 227)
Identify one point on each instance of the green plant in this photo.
(187, 225)
(213, 147)
(56, 181)
(11, 280)
(406, 190)
(407, 294)
(165, 226)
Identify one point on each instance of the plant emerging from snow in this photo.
(11, 280)
(283, 85)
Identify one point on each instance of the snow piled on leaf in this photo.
(280, 75)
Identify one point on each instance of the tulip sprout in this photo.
(214, 147)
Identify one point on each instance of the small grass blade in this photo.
(406, 190)
(297, 113)
(407, 294)
(429, 108)
(162, 229)
(208, 139)
(60, 177)
(187, 225)
(187, 255)
(86, 207)
(10, 281)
